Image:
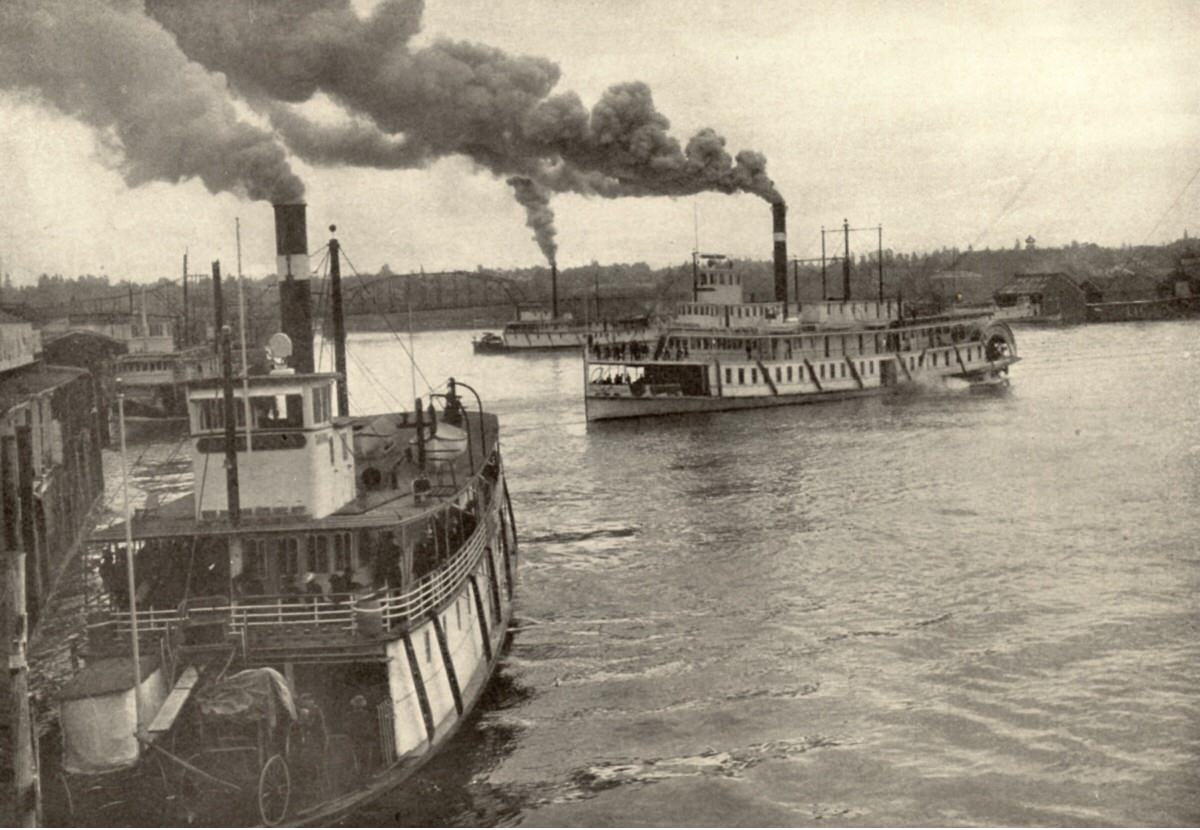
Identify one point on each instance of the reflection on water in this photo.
(933, 609)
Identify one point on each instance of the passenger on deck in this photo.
(312, 587)
(363, 729)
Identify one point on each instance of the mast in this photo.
(129, 565)
(880, 229)
(145, 321)
(230, 416)
(339, 324)
(218, 306)
(242, 325)
(846, 261)
(796, 283)
(824, 287)
(185, 339)
(695, 276)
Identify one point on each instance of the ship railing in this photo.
(345, 612)
(438, 587)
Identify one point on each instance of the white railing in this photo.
(439, 586)
(346, 612)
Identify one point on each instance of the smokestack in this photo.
(554, 290)
(779, 214)
(295, 294)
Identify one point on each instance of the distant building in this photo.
(1030, 243)
(95, 352)
(1093, 289)
(1051, 297)
(953, 288)
(1124, 285)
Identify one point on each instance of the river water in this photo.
(928, 610)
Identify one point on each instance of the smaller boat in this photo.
(488, 343)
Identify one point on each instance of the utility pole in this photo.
(26, 786)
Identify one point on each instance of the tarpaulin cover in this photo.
(250, 695)
(97, 717)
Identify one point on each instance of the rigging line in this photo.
(1174, 204)
(392, 329)
(367, 370)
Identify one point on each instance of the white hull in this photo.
(869, 377)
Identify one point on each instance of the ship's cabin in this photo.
(299, 461)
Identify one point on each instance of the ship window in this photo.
(728, 375)
(860, 344)
(754, 376)
(428, 648)
(318, 553)
(321, 410)
(341, 552)
(291, 557)
(741, 376)
(789, 374)
(822, 371)
(276, 411)
(458, 614)
(843, 370)
(827, 345)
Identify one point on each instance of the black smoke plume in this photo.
(538, 215)
(166, 117)
(407, 105)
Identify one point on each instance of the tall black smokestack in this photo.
(554, 290)
(779, 214)
(295, 294)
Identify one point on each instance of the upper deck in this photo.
(386, 502)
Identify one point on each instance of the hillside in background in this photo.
(489, 296)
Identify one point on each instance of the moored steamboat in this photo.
(721, 353)
(299, 634)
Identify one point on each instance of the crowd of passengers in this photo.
(636, 350)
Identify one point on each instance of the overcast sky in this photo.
(949, 123)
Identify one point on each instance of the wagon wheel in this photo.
(68, 799)
(274, 790)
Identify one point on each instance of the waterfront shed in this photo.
(1054, 296)
(1125, 286)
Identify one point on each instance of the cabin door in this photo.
(887, 372)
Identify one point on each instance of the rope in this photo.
(392, 329)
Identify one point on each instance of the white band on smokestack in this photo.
(780, 236)
(292, 265)
(291, 241)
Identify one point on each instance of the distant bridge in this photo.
(432, 291)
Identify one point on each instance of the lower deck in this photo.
(635, 389)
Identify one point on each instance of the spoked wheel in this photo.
(68, 801)
(274, 790)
